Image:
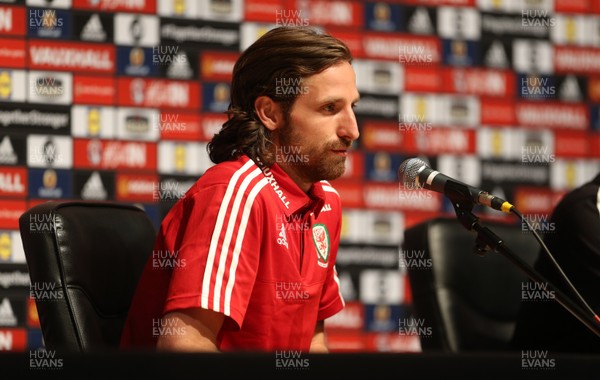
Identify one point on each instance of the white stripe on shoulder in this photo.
(231, 224)
(330, 189)
(238, 243)
(217, 232)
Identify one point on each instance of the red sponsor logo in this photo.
(344, 341)
(422, 79)
(355, 166)
(33, 319)
(571, 144)
(12, 21)
(351, 192)
(552, 115)
(576, 60)
(94, 90)
(138, 92)
(351, 318)
(71, 56)
(479, 82)
(392, 342)
(497, 111)
(439, 141)
(12, 52)
(132, 187)
(109, 154)
(320, 12)
(13, 340)
(407, 49)
(10, 211)
(211, 125)
(180, 126)
(391, 196)
(352, 39)
(13, 181)
(262, 10)
(381, 135)
(573, 6)
(217, 66)
(534, 200)
(138, 6)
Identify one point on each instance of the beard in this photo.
(313, 161)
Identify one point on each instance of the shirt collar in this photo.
(292, 197)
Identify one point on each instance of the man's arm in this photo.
(318, 345)
(197, 330)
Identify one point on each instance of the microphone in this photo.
(414, 171)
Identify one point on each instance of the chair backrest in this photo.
(470, 302)
(84, 259)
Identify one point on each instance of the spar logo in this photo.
(321, 240)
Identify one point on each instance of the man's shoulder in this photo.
(226, 174)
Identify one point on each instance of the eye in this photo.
(329, 107)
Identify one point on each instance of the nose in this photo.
(348, 128)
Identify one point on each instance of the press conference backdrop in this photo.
(117, 99)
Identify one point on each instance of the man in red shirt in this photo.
(246, 259)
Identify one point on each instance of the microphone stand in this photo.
(487, 240)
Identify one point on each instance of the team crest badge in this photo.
(321, 240)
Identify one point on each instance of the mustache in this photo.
(340, 144)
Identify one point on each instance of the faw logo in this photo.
(321, 240)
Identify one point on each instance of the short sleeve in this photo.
(213, 233)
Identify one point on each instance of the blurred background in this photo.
(116, 100)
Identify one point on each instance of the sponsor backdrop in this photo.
(117, 99)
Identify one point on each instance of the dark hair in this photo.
(289, 53)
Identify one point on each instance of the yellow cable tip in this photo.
(506, 207)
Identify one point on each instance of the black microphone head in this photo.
(409, 170)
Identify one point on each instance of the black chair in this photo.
(469, 302)
(84, 259)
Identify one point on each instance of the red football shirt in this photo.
(250, 244)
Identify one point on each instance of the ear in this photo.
(269, 112)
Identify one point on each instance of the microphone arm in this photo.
(487, 240)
